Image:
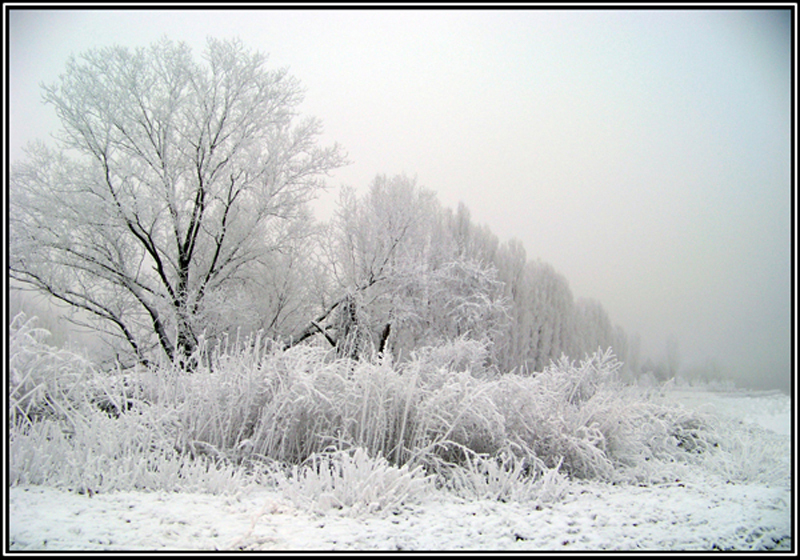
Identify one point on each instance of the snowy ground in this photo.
(697, 513)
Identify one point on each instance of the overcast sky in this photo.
(645, 154)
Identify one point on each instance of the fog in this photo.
(645, 154)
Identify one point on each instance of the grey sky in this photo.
(645, 154)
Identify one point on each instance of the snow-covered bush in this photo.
(43, 381)
(69, 428)
(460, 354)
(98, 453)
(579, 383)
(73, 426)
(507, 478)
(558, 415)
(458, 412)
(582, 416)
(312, 400)
(749, 454)
(353, 482)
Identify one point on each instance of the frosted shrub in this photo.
(302, 409)
(70, 427)
(506, 478)
(43, 381)
(541, 418)
(579, 383)
(256, 405)
(102, 454)
(218, 412)
(461, 354)
(353, 482)
(654, 443)
(313, 402)
(750, 454)
(217, 427)
(581, 415)
(459, 413)
(383, 411)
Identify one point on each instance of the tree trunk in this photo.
(384, 338)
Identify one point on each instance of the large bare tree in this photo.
(173, 180)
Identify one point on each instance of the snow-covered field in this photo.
(697, 512)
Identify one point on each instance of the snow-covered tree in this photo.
(175, 182)
(621, 346)
(634, 355)
(403, 273)
(593, 327)
(552, 313)
(511, 261)
(673, 356)
(472, 241)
